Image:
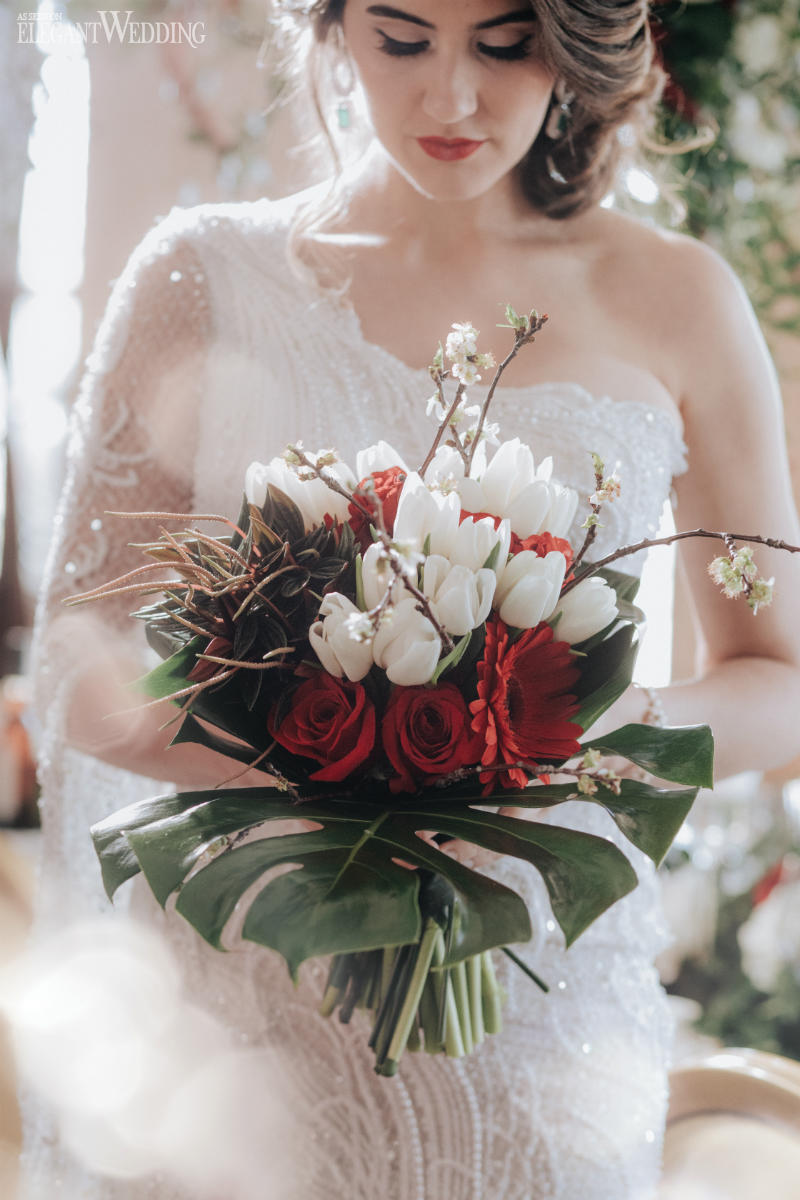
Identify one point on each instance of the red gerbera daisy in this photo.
(524, 702)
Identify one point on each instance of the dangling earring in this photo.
(344, 81)
(561, 112)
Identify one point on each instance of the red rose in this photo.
(332, 721)
(386, 486)
(426, 733)
(524, 703)
(540, 543)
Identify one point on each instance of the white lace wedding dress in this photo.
(213, 353)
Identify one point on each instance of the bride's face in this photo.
(455, 89)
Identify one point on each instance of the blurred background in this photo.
(100, 137)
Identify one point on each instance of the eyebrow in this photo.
(511, 18)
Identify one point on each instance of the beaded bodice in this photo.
(213, 353)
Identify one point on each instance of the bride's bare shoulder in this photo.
(679, 275)
(678, 294)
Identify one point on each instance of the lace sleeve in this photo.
(131, 441)
(131, 448)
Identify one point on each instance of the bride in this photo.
(496, 128)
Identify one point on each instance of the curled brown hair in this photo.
(602, 52)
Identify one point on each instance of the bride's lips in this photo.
(449, 149)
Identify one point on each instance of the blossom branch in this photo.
(525, 330)
(728, 539)
(591, 523)
(438, 377)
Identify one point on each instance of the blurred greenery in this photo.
(734, 74)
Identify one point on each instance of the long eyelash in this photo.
(401, 49)
(520, 49)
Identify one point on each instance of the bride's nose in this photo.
(451, 93)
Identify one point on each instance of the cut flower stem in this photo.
(418, 1003)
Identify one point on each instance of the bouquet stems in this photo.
(417, 1003)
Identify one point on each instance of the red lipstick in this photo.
(448, 149)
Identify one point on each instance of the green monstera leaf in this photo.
(351, 887)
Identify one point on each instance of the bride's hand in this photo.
(467, 853)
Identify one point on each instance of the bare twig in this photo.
(592, 523)
(439, 378)
(522, 337)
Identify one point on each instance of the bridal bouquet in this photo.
(401, 651)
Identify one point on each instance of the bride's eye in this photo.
(401, 49)
(512, 53)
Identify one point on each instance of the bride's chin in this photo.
(441, 187)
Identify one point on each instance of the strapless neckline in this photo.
(563, 388)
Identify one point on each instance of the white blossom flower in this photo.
(360, 627)
(332, 639)
(466, 372)
(435, 408)
(528, 588)
(608, 491)
(585, 610)
(460, 598)
(406, 645)
(738, 575)
(461, 341)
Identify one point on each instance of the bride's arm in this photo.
(131, 448)
(747, 685)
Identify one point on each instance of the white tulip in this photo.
(585, 610)
(461, 599)
(376, 574)
(406, 645)
(561, 513)
(321, 501)
(333, 642)
(422, 514)
(446, 465)
(528, 511)
(473, 541)
(529, 587)
(511, 469)
(379, 457)
(512, 486)
(313, 497)
(256, 478)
